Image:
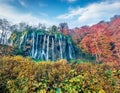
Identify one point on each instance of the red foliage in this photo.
(102, 39)
(97, 44)
(65, 31)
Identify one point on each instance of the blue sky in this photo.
(50, 12)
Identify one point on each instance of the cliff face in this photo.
(44, 45)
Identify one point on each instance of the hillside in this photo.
(61, 60)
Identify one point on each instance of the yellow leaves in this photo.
(102, 91)
(13, 36)
(24, 32)
(18, 58)
(22, 74)
(42, 91)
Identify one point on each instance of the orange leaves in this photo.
(101, 40)
(65, 31)
(116, 51)
(97, 44)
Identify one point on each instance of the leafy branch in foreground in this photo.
(18, 74)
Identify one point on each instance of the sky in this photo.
(76, 13)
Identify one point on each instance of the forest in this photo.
(58, 59)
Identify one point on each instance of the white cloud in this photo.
(72, 13)
(92, 13)
(79, 16)
(22, 3)
(13, 15)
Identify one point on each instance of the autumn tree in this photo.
(98, 45)
(116, 50)
(63, 27)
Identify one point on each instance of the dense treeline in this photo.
(100, 40)
(22, 75)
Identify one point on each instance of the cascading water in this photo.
(33, 40)
(70, 52)
(21, 40)
(45, 46)
(36, 51)
(53, 49)
(61, 54)
(11, 43)
(47, 55)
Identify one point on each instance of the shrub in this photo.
(22, 75)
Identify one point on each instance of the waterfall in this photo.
(11, 43)
(47, 56)
(55, 36)
(39, 48)
(53, 49)
(21, 40)
(70, 52)
(25, 38)
(64, 48)
(43, 48)
(36, 51)
(60, 45)
(33, 40)
(73, 52)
